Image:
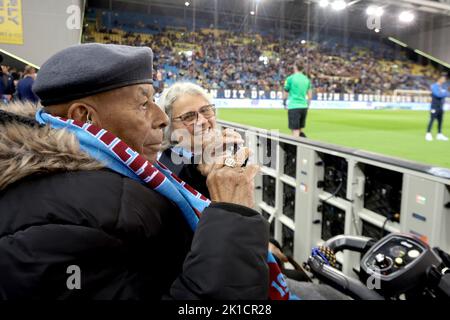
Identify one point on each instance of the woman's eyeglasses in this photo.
(191, 117)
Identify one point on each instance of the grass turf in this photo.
(398, 133)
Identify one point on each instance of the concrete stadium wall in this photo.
(434, 42)
(45, 29)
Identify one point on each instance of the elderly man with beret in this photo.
(87, 212)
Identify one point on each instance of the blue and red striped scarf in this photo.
(117, 156)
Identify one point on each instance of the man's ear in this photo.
(83, 112)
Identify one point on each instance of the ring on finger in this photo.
(230, 162)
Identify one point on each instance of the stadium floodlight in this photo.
(406, 17)
(338, 5)
(252, 13)
(324, 3)
(187, 3)
(377, 30)
(374, 11)
(303, 41)
(264, 59)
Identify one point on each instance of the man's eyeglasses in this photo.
(191, 117)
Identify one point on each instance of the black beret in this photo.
(84, 70)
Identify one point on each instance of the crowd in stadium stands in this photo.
(230, 59)
(220, 59)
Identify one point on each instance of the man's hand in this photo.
(285, 103)
(233, 185)
(214, 148)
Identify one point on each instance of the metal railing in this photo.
(291, 194)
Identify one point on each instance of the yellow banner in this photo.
(11, 27)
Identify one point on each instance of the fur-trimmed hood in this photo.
(27, 149)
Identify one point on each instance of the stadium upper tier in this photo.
(229, 60)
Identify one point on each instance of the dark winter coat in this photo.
(62, 211)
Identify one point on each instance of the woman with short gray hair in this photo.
(192, 129)
(186, 98)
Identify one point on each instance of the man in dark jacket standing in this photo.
(71, 228)
(24, 91)
(7, 87)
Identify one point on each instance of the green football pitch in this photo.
(398, 133)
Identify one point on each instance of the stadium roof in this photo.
(300, 14)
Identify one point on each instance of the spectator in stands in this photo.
(71, 203)
(6, 84)
(16, 76)
(24, 92)
(439, 91)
